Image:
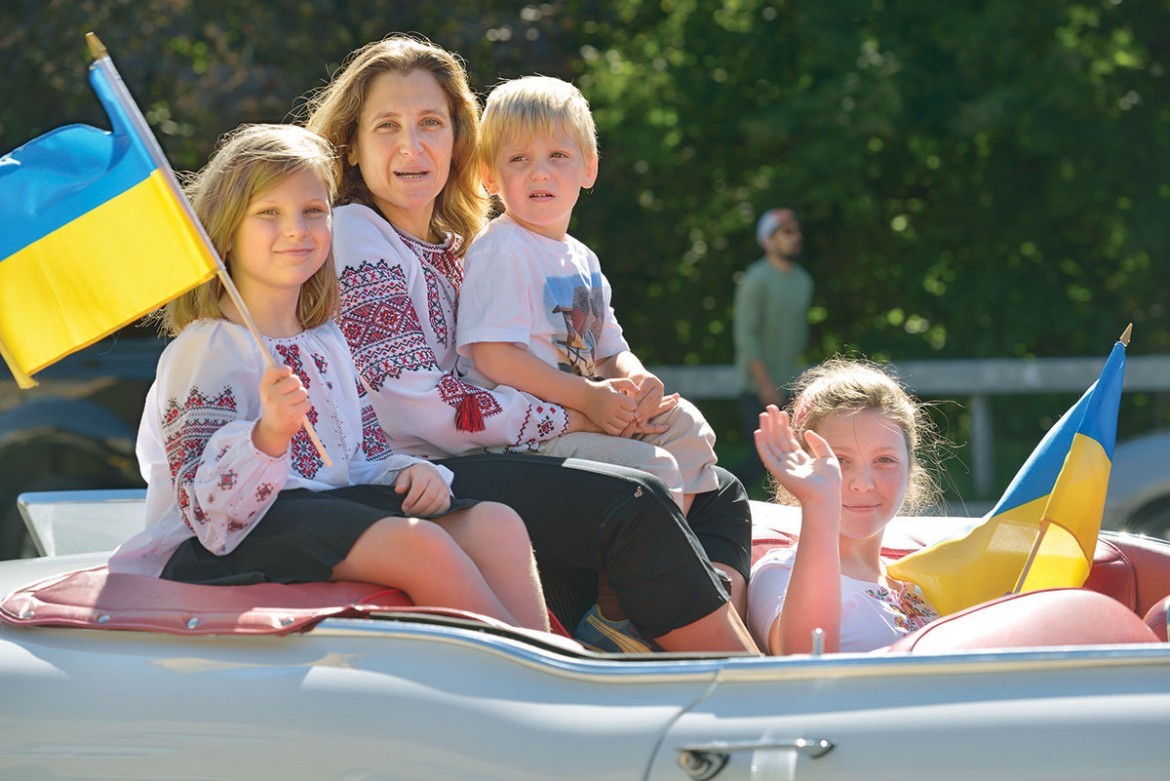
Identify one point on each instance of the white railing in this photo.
(975, 380)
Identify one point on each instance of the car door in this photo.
(1080, 714)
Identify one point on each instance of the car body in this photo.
(386, 692)
(1139, 485)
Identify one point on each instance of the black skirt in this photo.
(302, 537)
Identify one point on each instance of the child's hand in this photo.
(811, 478)
(610, 404)
(284, 402)
(426, 492)
(649, 426)
(649, 395)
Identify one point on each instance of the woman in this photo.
(405, 125)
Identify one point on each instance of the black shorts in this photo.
(593, 518)
(302, 537)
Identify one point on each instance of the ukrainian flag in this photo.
(1043, 532)
(94, 237)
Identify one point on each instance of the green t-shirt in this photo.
(771, 321)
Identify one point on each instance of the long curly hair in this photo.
(333, 112)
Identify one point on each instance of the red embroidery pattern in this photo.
(438, 260)
(544, 423)
(305, 460)
(187, 426)
(439, 256)
(374, 442)
(471, 403)
(435, 290)
(323, 369)
(380, 323)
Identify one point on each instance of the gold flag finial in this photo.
(1125, 336)
(97, 49)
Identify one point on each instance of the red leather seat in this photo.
(1053, 617)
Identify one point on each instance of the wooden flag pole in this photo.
(102, 61)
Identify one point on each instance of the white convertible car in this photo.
(119, 677)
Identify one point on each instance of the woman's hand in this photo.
(427, 494)
(579, 421)
(811, 477)
(284, 402)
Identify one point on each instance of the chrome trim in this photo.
(745, 668)
(705, 761)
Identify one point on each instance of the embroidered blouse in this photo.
(399, 298)
(205, 477)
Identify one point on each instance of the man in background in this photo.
(771, 326)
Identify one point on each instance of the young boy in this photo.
(534, 309)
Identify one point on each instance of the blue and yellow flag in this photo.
(94, 237)
(1043, 531)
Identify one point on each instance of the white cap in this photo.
(768, 223)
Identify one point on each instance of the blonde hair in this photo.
(248, 161)
(462, 206)
(523, 107)
(852, 385)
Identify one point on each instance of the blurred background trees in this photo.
(979, 179)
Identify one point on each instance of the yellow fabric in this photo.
(988, 561)
(96, 274)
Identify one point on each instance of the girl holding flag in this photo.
(237, 493)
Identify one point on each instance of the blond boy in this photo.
(534, 309)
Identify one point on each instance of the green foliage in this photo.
(976, 179)
(979, 179)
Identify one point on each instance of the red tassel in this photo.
(469, 417)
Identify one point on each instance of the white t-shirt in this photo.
(205, 477)
(545, 295)
(872, 616)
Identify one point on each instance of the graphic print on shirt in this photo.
(304, 458)
(912, 611)
(378, 320)
(187, 426)
(577, 312)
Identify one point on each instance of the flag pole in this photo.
(142, 129)
(1047, 522)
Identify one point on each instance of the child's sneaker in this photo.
(615, 637)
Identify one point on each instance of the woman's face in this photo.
(403, 146)
(875, 467)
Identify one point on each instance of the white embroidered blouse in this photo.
(399, 298)
(205, 477)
